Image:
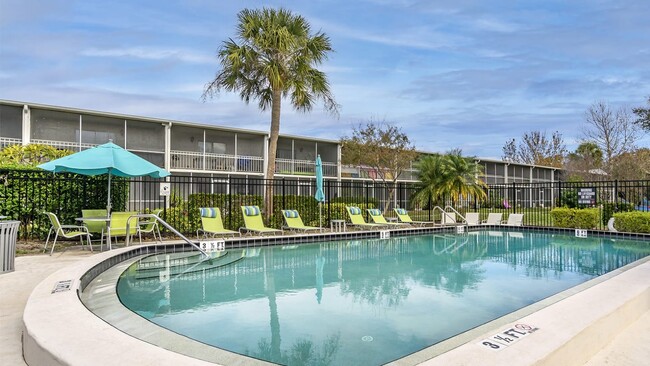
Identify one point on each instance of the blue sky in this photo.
(453, 74)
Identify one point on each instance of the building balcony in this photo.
(8, 141)
(370, 173)
(189, 160)
(303, 167)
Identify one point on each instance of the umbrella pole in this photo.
(108, 200)
(320, 216)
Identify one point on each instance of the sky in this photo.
(468, 74)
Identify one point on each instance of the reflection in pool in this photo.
(362, 302)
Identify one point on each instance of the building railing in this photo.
(8, 141)
(189, 160)
(303, 167)
(74, 146)
(349, 171)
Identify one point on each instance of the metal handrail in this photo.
(457, 213)
(165, 224)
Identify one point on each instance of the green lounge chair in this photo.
(294, 221)
(66, 231)
(357, 220)
(212, 224)
(253, 222)
(378, 218)
(403, 216)
(117, 226)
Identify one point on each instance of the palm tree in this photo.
(450, 175)
(274, 57)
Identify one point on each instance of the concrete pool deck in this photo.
(627, 345)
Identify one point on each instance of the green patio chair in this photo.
(66, 231)
(150, 225)
(253, 222)
(357, 220)
(212, 224)
(294, 222)
(117, 226)
(95, 227)
(378, 218)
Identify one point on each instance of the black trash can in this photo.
(8, 237)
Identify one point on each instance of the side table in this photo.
(338, 226)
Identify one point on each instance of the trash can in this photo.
(8, 237)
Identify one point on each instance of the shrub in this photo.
(635, 222)
(610, 208)
(575, 218)
(350, 201)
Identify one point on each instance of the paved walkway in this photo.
(15, 288)
(630, 348)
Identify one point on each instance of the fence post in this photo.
(616, 194)
(559, 194)
(284, 193)
(367, 198)
(514, 195)
(230, 210)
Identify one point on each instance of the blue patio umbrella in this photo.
(108, 159)
(320, 195)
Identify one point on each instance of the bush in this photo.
(633, 222)
(350, 201)
(575, 218)
(610, 208)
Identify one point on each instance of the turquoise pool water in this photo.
(362, 302)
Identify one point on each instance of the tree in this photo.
(29, 156)
(536, 148)
(613, 131)
(643, 116)
(634, 165)
(450, 175)
(274, 57)
(585, 163)
(383, 148)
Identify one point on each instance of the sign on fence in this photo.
(587, 196)
(165, 189)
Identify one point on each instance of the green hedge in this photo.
(64, 194)
(610, 208)
(633, 222)
(185, 217)
(350, 201)
(575, 218)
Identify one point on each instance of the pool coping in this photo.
(45, 344)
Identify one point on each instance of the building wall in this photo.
(206, 150)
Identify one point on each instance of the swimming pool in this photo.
(363, 302)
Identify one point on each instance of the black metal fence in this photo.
(25, 195)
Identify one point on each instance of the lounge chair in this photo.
(294, 222)
(357, 220)
(253, 222)
(378, 218)
(472, 218)
(493, 219)
(66, 231)
(212, 224)
(448, 218)
(515, 220)
(403, 216)
(117, 226)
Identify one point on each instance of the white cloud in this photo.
(152, 53)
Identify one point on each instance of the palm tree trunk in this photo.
(273, 148)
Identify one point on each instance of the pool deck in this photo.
(628, 347)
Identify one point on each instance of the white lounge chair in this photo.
(472, 218)
(493, 219)
(515, 220)
(448, 218)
